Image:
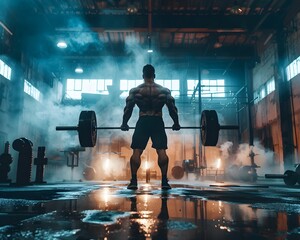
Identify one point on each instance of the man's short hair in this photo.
(148, 71)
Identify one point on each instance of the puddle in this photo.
(149, 213)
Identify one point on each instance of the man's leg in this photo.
(163, 163)
(135, 163)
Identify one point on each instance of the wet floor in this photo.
(107, 210)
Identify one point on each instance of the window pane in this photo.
(205, 82)
(213, 82)
(78, 83)
(93, 85)
(9, 74)
(220, 82)
(168, 84)
(175, 85)
(108, 82)
(191, 84)
(160, 82)
(70, 84)
(131, 84)
(85, 85)
(100, 86)
(139, 82)
(123, 85)
(1, 67)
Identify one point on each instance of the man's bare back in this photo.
(150, 98)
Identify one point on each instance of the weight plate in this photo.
(291, 178)
(297, 170)
(177, 172)
(210, 128)
(87, 131)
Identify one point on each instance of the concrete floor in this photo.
(190, 210)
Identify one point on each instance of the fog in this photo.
(37, 120)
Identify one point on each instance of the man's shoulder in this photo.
(134, 90)
(163, 89)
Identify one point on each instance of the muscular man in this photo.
(150, 99)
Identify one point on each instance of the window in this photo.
(126, 85)
(32, 91)
(270, 85)
(293, 69)
(209, 87)
(5, 70)
(173, 85)
(75, 87)
(264, 90)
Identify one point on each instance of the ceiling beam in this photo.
(202, 23)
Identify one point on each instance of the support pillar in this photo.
(284, 102)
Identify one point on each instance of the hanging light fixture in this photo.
(62, 44)
(236, 8)
(79, 69)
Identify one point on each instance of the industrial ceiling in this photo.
(205, 29)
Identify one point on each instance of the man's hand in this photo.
(124, 127)
(176, 127)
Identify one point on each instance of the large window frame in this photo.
(293, 69)
(5, 70)
(209, 87)
(32, 90)
(75, 87)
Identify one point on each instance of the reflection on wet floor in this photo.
(113, 212)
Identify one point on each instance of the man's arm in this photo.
(173, 111)
(128, 111)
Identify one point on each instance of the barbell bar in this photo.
(87, 128)
(289, 177)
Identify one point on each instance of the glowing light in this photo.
(106, 164)
(62, 44)
(218, 164)
(146, 166)
(145, 199)
(78, 70)
(150, 51)
(105, 195)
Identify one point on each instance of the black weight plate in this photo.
(297, 170)
(210, 128)
(87, 131)
(291, 178)
(177, 172)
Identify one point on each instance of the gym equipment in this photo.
(5, 161)
(24, 147)
(89, 173)
(177, 172)
(87, 128)
(289, 177)
(40, 161)
(297, 170)
(246, 173)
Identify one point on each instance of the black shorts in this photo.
(149, 127)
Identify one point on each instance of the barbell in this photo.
(87, 128)
(289, 177)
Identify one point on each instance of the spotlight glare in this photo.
(150, 51)
(62, 44)
(78, 70)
